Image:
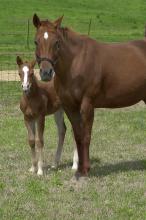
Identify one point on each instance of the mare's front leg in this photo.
(82, 122)
(39, 140)
(30, 125)
(59, 119)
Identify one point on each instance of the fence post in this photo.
(28, 34)
(89, 28)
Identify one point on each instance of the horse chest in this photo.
(32, 109)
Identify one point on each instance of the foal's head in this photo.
(47, 41)
(26, 73)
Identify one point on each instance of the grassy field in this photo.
(116, 189)
(111, 20)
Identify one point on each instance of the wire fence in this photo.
(17, 39)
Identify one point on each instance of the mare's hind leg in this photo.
(39, 141)
(59, 119)
(30, 125)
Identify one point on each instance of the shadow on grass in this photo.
(100, 171)
(124, 166)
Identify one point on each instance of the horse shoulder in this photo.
(23, 104)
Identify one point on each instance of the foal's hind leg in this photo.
(75, 159)
(59, 119)
(39, 140)
(30, 125)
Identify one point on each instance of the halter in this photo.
(40, 59)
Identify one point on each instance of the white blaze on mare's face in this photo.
(46, 35)
(25, 70)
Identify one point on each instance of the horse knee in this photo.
(39, 143)
(31, 143)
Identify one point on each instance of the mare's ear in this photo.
(33, 63)
(36, 21)
(57, 23)
(19, 61)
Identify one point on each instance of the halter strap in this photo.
(40, 59)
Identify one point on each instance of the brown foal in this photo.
(88, 75)
(38, 100)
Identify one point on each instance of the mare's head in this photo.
(26, 73)
(47, 41)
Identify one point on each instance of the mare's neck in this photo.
(70, 48)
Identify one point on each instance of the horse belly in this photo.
(118, 98)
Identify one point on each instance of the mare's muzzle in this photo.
(46, 74)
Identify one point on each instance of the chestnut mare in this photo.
(88, 75)
(38, 100)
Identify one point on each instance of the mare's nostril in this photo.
(50, 71)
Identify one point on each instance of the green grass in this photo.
(116, 189)
(111, 20)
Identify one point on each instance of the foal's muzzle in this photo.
(26, 88)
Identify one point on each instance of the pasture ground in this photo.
(116, 189)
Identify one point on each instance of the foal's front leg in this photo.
(39, 140)
(30, 125)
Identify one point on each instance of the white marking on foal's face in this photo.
(46, 35)
(25, 79)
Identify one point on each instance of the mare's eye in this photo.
(57, 45)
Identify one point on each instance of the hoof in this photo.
(32, 169)
(78, 181)
(40, 172)
(75, 166)
(54, 166)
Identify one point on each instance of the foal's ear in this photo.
(36, 21)
(19, 61)
(33, 63)
(57, 23)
